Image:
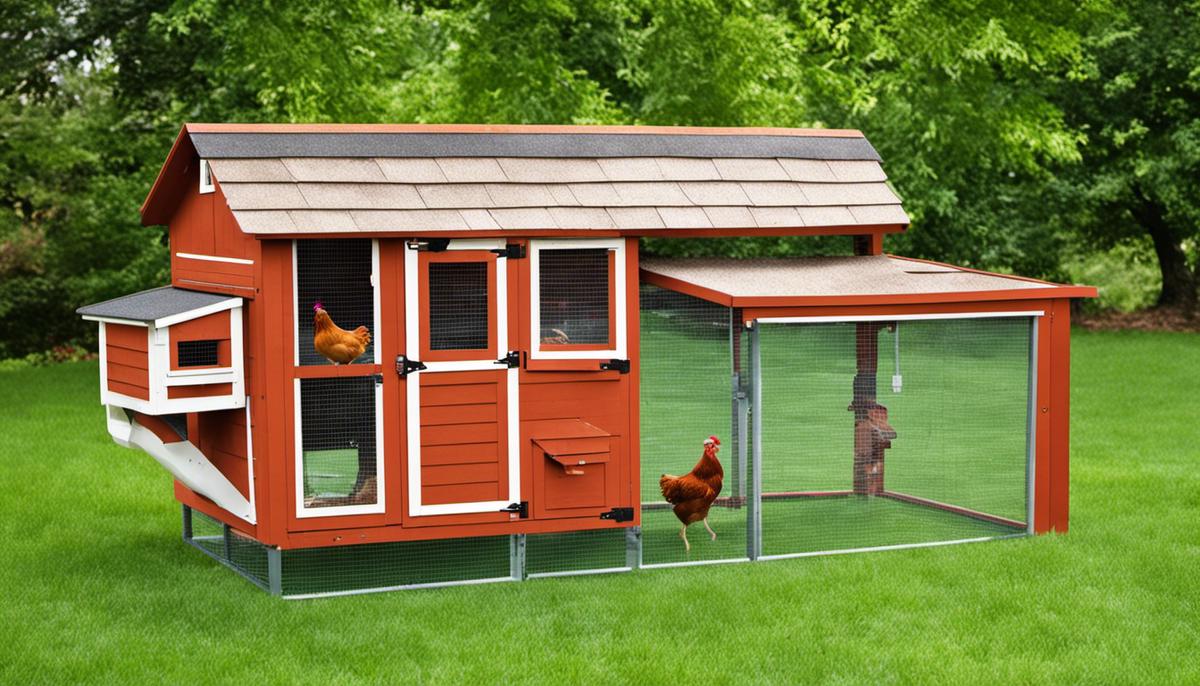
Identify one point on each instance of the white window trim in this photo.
(535, 313)
(380, 504)
(412, 341)
(206, 178)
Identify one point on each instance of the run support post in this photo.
(754, 514)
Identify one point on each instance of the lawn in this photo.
(101, 589)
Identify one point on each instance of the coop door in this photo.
(462, 440)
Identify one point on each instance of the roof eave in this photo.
(170, 183)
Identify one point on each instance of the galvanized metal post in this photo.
(754, 515)
(275, 571)
(743, 447)
(187, 524)
(1031, 426)
(516, 556)
(633, 547)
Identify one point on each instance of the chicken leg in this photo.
(710, 531)
(687, 547)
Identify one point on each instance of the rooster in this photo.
(337, 345)
(693, 493)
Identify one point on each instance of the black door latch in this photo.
(618, 514)
(512, 359)
(405, 366)
(621, 366)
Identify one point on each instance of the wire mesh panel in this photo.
(458, 305)
(336, 273)
(688, 394)
(576, 552)
(891, 433)
(338, 451)
(381, 566)
(574, 291)
(244, 555)
(198, 353)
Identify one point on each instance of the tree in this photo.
(1137, 98)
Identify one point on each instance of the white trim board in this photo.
(213, 258)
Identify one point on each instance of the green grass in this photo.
(98, 588)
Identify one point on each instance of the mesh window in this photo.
(954, 425)
(338, 441)
(337, 274)
(573, 290)
(458, 305)
(197, 353)
(687, 394)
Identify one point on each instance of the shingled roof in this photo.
(339, 179)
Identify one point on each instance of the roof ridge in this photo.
(528, 129)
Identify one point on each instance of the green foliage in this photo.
(1014, 132)
(1128, 275)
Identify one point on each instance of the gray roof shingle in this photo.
(148, 306)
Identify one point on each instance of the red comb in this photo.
(316, 306)
(715, 440)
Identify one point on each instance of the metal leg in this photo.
(516, 556)
(187, 524)
(1031, 426)
(275, 571)
(754, 515)
(633, 547)
(225, 540)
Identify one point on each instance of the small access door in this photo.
(461, 383)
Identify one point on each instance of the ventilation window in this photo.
(337, 275)
(198, 353)
(576, 297)
(338, 443)
(206, 180)
(458, 306)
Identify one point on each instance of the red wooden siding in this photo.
(464, 437)
(127, 360)
(203, 225)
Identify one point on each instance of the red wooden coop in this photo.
(524, 378)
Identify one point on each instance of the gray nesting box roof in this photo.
(345, 179)
(153, 305)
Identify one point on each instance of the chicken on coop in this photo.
(693, 493)
(336, 344)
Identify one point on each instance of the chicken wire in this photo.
(338, 447)
(950, 396)
(573, 296)
(692, 386)
(335, 272)
(459, 305)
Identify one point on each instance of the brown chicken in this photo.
(337, 345)
(693, 493)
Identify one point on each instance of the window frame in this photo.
(617, 315)
(370, 368)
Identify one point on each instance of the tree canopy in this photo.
(1016, 133)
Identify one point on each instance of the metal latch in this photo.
(521, 508)
(618, 514)
(621, 366)
(512, 359)
(513, 251)
(405, 366)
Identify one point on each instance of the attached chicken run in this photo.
(411, 356)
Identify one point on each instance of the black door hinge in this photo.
(429, 244)
(512, 359)
(513, 251)
(521, 508)
(405, 366)
(618, 514)
(616, 365)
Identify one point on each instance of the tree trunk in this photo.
(1179, 284)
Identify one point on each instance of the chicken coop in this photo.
(410, 356)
